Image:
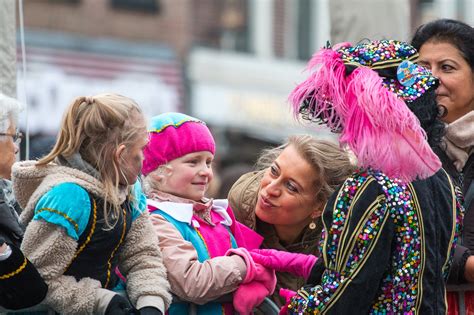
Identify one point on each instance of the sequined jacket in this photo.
(387, 248)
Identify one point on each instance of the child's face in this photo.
(190, 175)
(131, 160)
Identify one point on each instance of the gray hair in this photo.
(9, 110)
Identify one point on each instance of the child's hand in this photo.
(251, 294)
(259, 283)
(297, 264)
(287, 295)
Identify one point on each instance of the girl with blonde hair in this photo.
(86, 212)
(204, 249)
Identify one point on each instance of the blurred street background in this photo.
(231, 63)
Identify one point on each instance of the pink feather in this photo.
(378, 126)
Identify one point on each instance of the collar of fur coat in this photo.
(30, 182)
(459, 140)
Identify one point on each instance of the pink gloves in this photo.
(298, 264)
(287, 295)
(259, 282)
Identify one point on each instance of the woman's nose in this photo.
(437, 73)
(273, 188)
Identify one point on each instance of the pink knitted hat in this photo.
(173, 135)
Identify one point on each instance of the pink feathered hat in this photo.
(362, 92)
(172, 135)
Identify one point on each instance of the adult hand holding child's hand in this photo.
(259, 283)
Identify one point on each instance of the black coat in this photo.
(10, 228)
(463, 180)
(21, 285)
(382, 253)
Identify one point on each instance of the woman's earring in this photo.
(312, 225)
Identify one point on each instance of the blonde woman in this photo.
(284, 199)
(86, 213)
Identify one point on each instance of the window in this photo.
(149, 6)
(65, 1)
(304, 30)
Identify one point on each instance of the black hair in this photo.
(428, 112)
(457, 33)
(425, 108)
(309, 111)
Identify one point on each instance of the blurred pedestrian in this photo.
(21, 286)
(86, 212)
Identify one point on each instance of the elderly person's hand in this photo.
(3, 245)
(3, 248)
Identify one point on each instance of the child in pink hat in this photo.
(204, 248)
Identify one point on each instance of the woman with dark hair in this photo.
(391, 227)
(447, 48)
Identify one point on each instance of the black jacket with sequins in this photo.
(387, 247)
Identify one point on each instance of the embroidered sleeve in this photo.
(358, 232)
(458, 216)
(66, 205)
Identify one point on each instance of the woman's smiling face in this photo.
(287, 195)
(456, 89)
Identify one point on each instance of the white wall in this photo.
(241, 91)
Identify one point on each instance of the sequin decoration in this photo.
(386, 54)
(399, 288)
(458, 231)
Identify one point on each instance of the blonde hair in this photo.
(94, 127)
(155, 179)
(332, 164)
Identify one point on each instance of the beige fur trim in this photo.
(104, 298)
(153, 301)
(31, 182)
(142, 264)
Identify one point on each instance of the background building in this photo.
(231, 63)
